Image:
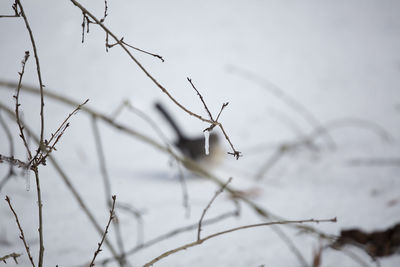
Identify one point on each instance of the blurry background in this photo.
(337, 59)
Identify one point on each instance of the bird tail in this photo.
(171, 122)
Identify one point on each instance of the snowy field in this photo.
(339, 60)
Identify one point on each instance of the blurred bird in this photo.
(194, 148)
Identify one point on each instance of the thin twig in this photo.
(16, 12)
(185, 194)
(289, 243)
(57, 135)
(235, 153)
(41, 86)
(217, 193)
(175, 232)
(105, 232)
(201, 99)
(105, 11)
(11, 255)
(22, 236)
(222, 108)
(182, 179)
(214, 123)
(8, 16)
(291, 102)
(138, 216)
(17, 104)
(40, 212)
(35, 169)
(189, 164)
(10, 172)
(133, 47)
(375, 161)
(200, 241)
(68, 183)
(14, 162)
(272, 160)
(107, 184)
(352, 122)
(289, 122)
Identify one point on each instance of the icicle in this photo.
(207, 142)
(27, 173)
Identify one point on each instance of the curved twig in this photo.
(200, 241)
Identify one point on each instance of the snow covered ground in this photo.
(339, 59)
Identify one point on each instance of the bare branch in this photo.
(18, 119)
(235, 153)
(16, 12)
(217, 193)
(11, 255)
(176, 232)
(289, 243)
(107, 183)
(8, 16)
(13, 161)
(185, 194)
(200, 241)
(214, 123)
(40, 211)
(222, 108)
(105, 11)
(40, 145)
(68, 183)
(41, 86)
(22, 236)
(280, 94)
(201, 99)
(375, 161)
(127, 104)
(10, 172)
(108, 45)
(57, 135)
(138, 217)
(105, 232)
(189, 164)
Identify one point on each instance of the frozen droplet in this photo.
(207, 142)
(27, 176)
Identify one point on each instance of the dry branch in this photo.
(13, 255)
(16, 12)
(200, 241)
(105, 232)
(10, 172)
(14, 162)
(39, 75)
(17, 104)
(127, 104)
(189, 164)
(131, 46)
(214, 123)
(107, 184)
(88, 14)
(175, 232)
(40, 146)
(49, 145)
(280, 94)
(217, 193)
(68, 183)
(22, 236)
(385, 162)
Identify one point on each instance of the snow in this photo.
(338, 59)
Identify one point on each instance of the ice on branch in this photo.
(207, 142)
